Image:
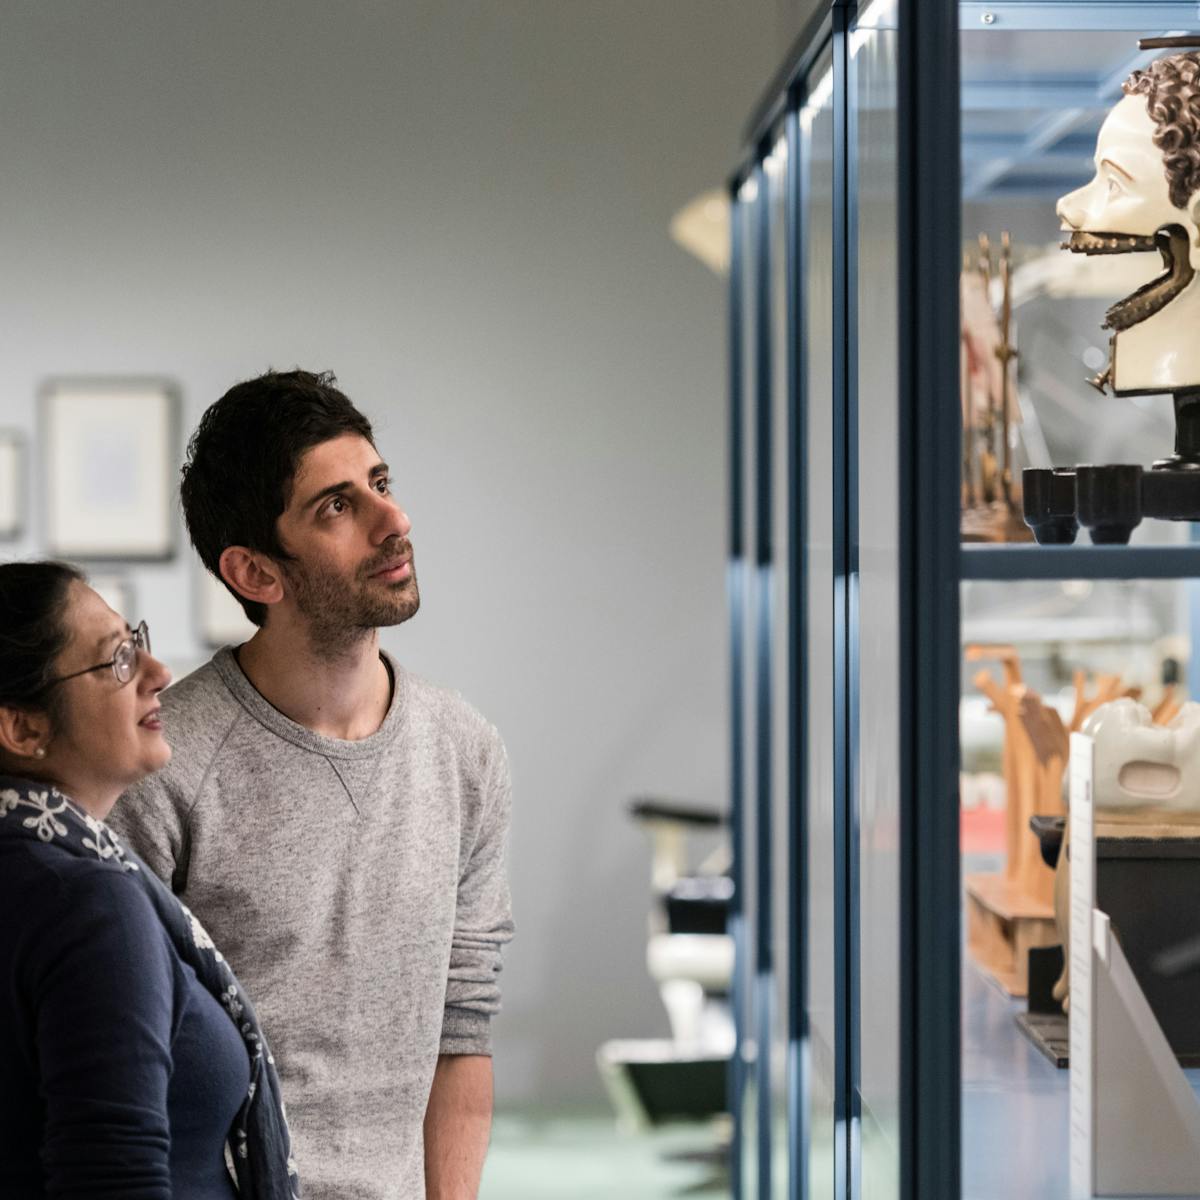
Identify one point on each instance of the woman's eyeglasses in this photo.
(123, 661)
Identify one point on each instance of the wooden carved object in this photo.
(1011, 912)
(1036, 745)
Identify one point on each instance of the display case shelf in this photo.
(1080, 562)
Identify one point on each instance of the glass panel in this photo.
(781, 725)
(816, 137)
(1033, 102)
(749, 867)
(1136, 633)
(873, 84)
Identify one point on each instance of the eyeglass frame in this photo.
(140, 640)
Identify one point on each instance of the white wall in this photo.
(461, 208)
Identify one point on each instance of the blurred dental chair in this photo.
(689, 954)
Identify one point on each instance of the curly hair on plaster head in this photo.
(1172, 89)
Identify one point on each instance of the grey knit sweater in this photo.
(358, 890)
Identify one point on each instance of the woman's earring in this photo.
(40, 752)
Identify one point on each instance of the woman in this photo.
(129, 1056)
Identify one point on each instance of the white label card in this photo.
(1083, 900)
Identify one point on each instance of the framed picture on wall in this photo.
(12, 484)
(117, 592)
(108, 467)
(222, 621)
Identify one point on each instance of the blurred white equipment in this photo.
(689, 955)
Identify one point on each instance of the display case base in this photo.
(1003, 925)
(1147, 884)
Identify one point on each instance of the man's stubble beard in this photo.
(342, 611)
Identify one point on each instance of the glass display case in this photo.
(910, 341)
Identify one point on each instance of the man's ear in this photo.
(252, 575)
(24, 733)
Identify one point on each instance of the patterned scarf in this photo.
(259, 1141)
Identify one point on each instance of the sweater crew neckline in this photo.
(267, 715)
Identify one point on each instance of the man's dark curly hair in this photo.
(1172, 89)
(242, 460)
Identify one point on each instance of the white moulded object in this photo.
(1143, 769)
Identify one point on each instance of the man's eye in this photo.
(336, 505)
(383, 485)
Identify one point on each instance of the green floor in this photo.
(584, 1157)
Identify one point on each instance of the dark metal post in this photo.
(929, 223)
(797, 831)
(853, 655)
(844, 1032)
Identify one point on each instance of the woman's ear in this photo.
(23, 733)
(253, 576)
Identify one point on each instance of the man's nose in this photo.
(392, 521)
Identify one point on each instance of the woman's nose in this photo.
(155, 674)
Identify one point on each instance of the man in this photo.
(336, 823)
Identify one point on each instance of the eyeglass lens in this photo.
(125, 659)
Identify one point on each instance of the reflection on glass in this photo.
(877, 798)
(816, 137)
(749, 870)
(776, 171)
(1033, 103)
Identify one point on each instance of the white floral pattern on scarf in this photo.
(200, 935)
(45, 822)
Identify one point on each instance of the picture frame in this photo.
(12, 485)
(108, 467)
(118, 593)
(222, 621)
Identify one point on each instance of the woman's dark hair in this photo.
(33, 602)
(242, 461)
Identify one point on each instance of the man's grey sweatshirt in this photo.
(358, 890)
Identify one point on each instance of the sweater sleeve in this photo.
(151, 818)
(483, 923)
(103, 999)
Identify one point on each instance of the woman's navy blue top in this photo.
(120, 1074)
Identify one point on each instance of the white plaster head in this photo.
(1145, 198)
